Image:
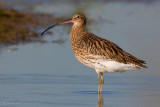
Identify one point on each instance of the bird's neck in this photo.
(77, 30)
(76, 34)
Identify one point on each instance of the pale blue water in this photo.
(48, 75)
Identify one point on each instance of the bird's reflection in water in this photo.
(100, 95)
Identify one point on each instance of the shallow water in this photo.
(46, 75)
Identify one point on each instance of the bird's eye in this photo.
(77, 16)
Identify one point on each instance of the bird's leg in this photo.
(99, 78)
(100, 87)
(102, 80)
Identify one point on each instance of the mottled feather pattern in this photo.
(95, 45)
(98, 53)
(99, 46)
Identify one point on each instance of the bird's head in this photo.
(77, 19)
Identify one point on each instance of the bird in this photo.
(98, 53)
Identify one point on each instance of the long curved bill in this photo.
(57, 24)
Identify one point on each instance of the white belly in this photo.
(102, 65)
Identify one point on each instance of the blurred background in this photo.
(42, 71)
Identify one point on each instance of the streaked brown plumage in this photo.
(98, 53)
(90, 43)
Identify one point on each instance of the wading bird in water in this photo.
(95, 52)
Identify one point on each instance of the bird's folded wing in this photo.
(98, 46)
